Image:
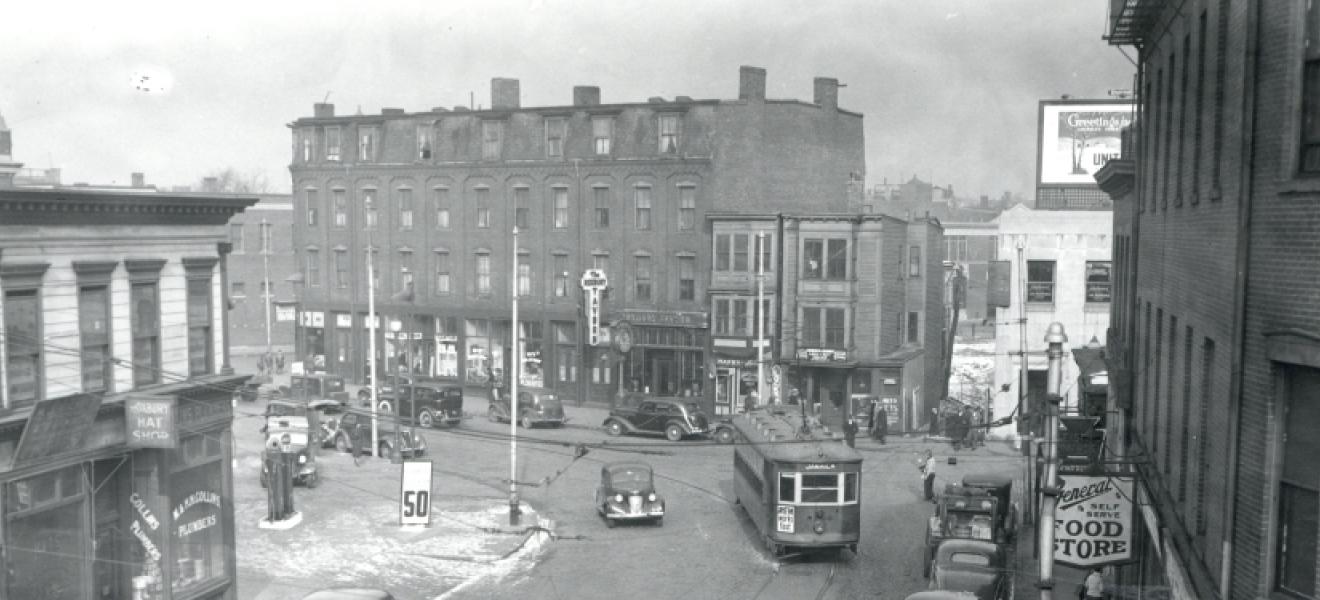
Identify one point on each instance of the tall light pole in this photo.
(760, 318)
(371, 345)
(1055, 337)
(265, 277)
(396, 326)
(515, 358)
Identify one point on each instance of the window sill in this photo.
(1096, 307)
(1299, 186)
(1040, 306)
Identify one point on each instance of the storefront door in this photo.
(664, 377)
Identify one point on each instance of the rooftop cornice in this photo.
(98, 207)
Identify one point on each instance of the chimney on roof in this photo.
(751, 83)
(210, 184)
(504, 93)
(586, 95)
(323, 110)
(827, 93)
(391, 112)
(139, 180)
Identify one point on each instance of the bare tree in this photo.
(231, 180)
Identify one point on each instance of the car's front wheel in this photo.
(673, 432)
(384, 450)
(614, 428)
(724, 435)
(527, 422)
(425, 419)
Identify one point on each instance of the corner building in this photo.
(625, 188)
(1216, 332)
(116, 406)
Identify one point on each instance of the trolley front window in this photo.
(818, 488)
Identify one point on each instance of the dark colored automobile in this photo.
(349, 594)
(674, 418)
(627, 493)
(386, 388)
(354, 435)
(972, 566)
(426, 404)
(536, 406)
(318, 386)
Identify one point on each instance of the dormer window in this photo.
(424, 142)
(668, 134)
(367, 144)
(602, 130)
(332, 143)
(555, 131)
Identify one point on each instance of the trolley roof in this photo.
(780, 436)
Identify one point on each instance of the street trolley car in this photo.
(801, 485)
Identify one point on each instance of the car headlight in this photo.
(618, 498)
(302, 459)
(651, 498)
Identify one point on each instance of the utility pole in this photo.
(265, 277)
(371, 346)
(760, 318)
(1055, 337)
(515, 358)
(1024, 436)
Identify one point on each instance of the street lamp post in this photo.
(760, 318)
(265, 278)
(1055, 337)
(396, 326)
(515, 358)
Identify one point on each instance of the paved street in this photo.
(705, 548)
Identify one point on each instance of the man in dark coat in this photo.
(879, 423)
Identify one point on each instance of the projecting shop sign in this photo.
(593, 284)
(1093, 521)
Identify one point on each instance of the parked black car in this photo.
(354, 435)
(426, 404)
(674, 418)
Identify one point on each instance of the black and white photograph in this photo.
(727, 300)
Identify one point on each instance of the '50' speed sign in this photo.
(415, 493)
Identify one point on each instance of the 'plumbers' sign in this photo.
(1093, 521)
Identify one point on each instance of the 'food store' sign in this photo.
(1093, 521)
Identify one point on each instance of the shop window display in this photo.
(44, 536)
(197, 511)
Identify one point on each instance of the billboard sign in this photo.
(1077, 138)
(1093, 521)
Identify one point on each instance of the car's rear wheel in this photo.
(724, 435)
(610, 523)
(614, 428)
(425, 419)
(673, 432)
(527, 422)
(659, 521)
(314, 480)
(341, 443)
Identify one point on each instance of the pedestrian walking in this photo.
(261, 364)
(880, 424)
(928, 475)
(1094, 586)
(279, 362)
(850, 431)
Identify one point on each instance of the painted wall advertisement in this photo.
(1077, 139)
(1093, 521)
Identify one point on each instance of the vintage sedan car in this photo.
(317, 386)
(975, 566)
(426, 404)
(287, 429)
(627, 493)
(675, 418)
(354, 435)
(349, 594)
(386, 388)
(536, 406)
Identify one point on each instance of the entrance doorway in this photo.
(664, 374)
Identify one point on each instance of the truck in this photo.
(979, 508)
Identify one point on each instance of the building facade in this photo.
(262, 242)
(115, 394)
(1059, 269)
(623, 188)
(1216, 334)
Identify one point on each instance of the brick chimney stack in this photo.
(586, 95)
(139, 180)
(827, 93)
(323, 110)
(504, 94)
(751, 83)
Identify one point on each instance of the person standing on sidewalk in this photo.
(928, 475)
(879, 423)
(850, 431)
(1094, 586)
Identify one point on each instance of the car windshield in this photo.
(968, 558)
(692, 408)
(630, 477)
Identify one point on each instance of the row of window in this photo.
(238, 238)
(441, 210)
(326, 143)
(26, 347)
(1041, 281)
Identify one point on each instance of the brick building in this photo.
(115, 392)
(622, 187)
(852, 311)
(1215, 323)
(273, 214)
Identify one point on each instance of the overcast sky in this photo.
(949, 88)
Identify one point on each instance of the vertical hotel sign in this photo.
(1077, 138)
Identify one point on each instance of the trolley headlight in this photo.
(618, 498)
(651, 497)
(302, 459)
(819, 527)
